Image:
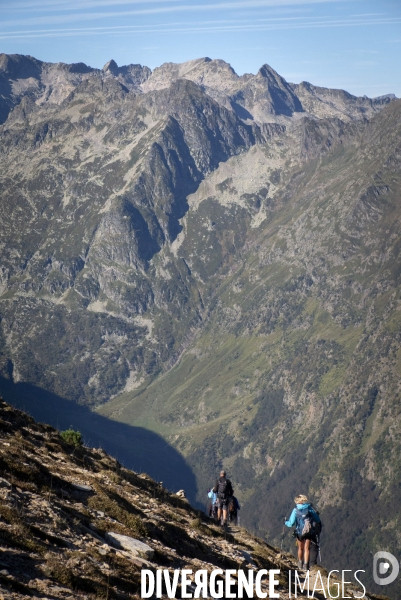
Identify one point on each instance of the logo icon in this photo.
(382, 561)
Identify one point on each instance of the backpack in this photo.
(307, 526)
(224, 489)
(232, 509)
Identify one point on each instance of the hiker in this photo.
(224, 490)
(233, 508)
(213, 506)
(307, 527)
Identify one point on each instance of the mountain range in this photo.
(212, 259)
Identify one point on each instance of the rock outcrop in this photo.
(131, 545)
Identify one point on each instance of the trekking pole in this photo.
(319, 554)
(282, 537)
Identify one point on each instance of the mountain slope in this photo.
(213, 258)
(294, 381)
(94, 183)
(65, 510)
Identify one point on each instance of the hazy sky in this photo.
(349, 44)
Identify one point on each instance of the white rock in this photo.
(82, 488)
(135, 547)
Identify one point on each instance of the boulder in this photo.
(135, 547)
(82, 487)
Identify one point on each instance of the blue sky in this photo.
(349, 44)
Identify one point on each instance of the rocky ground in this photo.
(75, 524)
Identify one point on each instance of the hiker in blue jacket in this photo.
(213, 507)
(307, 526)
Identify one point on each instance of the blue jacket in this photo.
(213, 496)
(293, 518)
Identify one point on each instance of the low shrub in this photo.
(72, 437)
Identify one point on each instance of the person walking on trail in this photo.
(307, 526)
(233, 508)
(224, 490)
(213, 505)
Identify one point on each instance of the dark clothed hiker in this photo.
(224, 490)
(233, 508)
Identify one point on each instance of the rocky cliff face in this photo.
(220, 255)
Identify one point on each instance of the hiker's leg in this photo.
(300, 550)
(225, 515)
(307, 552)
(218, 504)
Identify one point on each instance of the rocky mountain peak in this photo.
(385, 97)
(19, 66)
(78, 68)
(207, 72)
(4, 59)
(269, 73)
(111, 67)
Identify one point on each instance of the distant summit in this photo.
(111, 67)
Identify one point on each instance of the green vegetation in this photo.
(72, 437)
(120, 510)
